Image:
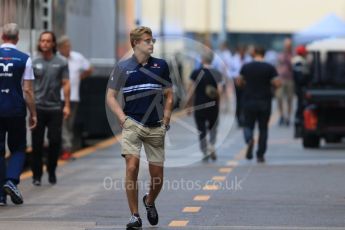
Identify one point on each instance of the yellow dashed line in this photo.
(225, 170)
(191, 209)
(178, 223)
(201, 198)
(219, 178)
(232, 163)
(240, 155)
(210, 187)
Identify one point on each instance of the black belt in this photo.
(154, 125)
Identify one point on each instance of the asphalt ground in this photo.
(295, 189)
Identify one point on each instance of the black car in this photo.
(324, 94)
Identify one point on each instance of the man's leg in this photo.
(16, 130)
(201, 126)
(54, 136)
(250, 116)
(239, 109)
(249, 125)
(37, 146)
(279, 96)
(156, 173)
(263, 120)
(131, 146)
(132, 170)
(153, 140)
(290, 94)
(17, 145)
(213, 127)
(2, 161)
(68, 132)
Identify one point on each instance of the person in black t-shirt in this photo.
(301, 77)
(257, 79)
(204, 92)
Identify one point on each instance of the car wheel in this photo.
(311, 141)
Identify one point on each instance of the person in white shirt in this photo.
(222, 62)
(238, 60)
(223, 59)
(79, 69)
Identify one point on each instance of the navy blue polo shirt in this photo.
(142, 87)
(15, 66)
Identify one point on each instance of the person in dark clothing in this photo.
(51, 72)
(301, 78)
(204, 92)
(257, 79)
(16, 94)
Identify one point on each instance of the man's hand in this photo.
(189, 110)
(66, 112)
(32, 122)
(123, 120)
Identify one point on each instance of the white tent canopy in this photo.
(328, 45)
(330, 26)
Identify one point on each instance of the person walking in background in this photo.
(257, 79)
(286, 92)
(79, 69)
(204, 93)
(301, 78)
(238, 60)
(222, 62)
(16, 79)
(51, 72)
(144, 81)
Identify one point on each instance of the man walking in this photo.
(286, 92)
(144, 81)
(15, 70)
(257, 78)
(204, 92)
(51, 73)
(79, 69)
(301, 77)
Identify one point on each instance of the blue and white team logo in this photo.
(128, 72)
(5, 70)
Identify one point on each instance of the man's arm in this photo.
(30, 102)
(169, 103)
(219, 90)
(114, 105)
(86, 67)
(276, 82)
(86, 73)
(240, 82)
(190, 97)
(66, 92)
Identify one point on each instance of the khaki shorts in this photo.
(134, 135)
(286, 90)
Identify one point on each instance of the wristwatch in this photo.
(167, 127)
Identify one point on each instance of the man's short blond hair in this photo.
(136, 33)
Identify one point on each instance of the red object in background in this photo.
(66, 156)
(301, 50)
(310, 120)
